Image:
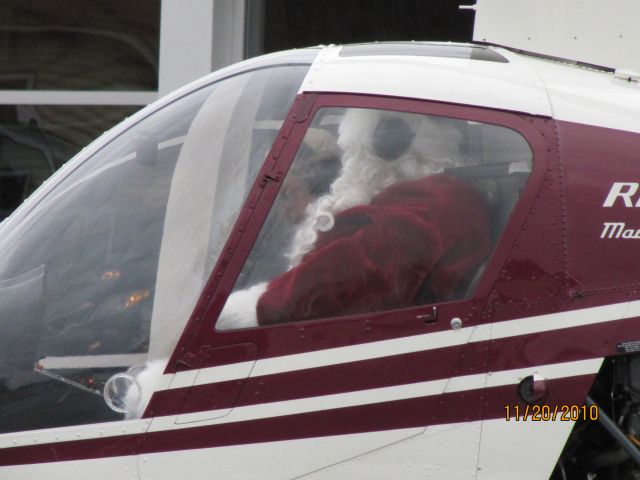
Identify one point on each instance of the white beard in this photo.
(364, 175)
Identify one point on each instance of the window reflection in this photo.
(36, 140)
(79, 45)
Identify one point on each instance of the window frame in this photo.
(329, 332)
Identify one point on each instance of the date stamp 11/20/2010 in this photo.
(550, 413)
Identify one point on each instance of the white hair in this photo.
(435, 145)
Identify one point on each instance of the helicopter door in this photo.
(361, 268)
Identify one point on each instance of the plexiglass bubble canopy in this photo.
(101, 268)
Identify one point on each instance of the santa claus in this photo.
(394, 231)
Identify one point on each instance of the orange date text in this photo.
(549, 413)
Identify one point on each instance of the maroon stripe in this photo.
(423, 411)
(417, 412)
(361, 375)
(76, 450)
(565, 345)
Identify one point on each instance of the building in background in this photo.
(71, 69)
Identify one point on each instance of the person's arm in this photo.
(413, 226)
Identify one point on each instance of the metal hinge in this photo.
(302, 107)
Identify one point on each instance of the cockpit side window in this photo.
(99, 278)
(380, 210)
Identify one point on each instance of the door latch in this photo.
(429, 317)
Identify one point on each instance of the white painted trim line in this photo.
(74, 433)
(413, 344)
(93, 361)
(304, 405)
(462, 383)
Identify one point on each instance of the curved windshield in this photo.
(28, 158)
(99, 278)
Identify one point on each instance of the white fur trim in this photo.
(325, 221)
(240, 309)
(150, 379)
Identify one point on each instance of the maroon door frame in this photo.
(200, 335)
(311, 335)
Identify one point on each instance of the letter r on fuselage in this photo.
(624, 190)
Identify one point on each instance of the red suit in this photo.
(429, 232)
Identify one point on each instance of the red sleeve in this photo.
(378, 256)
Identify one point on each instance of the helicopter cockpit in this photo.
(100, 275)
(101, 270)
(380, 210)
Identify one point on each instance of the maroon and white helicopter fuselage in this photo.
(486, 383)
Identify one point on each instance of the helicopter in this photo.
(389, 260)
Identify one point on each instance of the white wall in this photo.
(197, 37)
